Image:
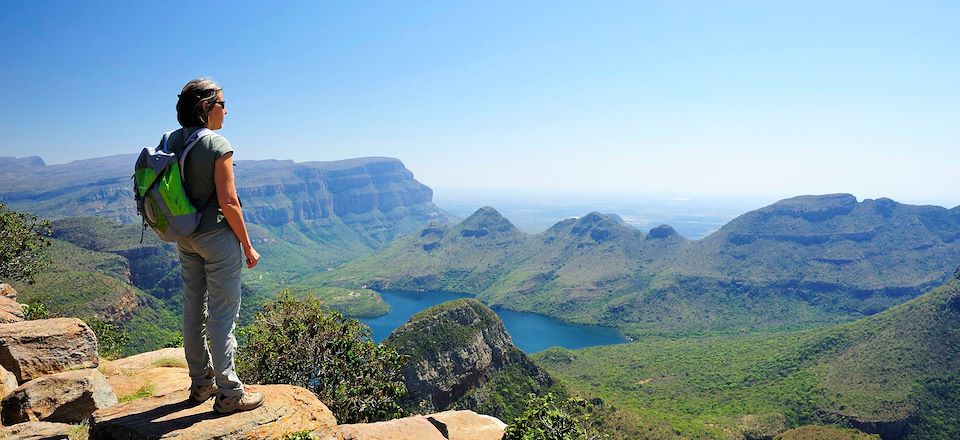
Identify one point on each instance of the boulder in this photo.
(31, 349)
(10, 310)
(415, 427)
(164, 357)
(148, 374)
(8, 383)
(39, 431)
(468, 425)
(287, 409)
(7, 291)
(70, 397)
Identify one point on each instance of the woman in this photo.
(211, 257)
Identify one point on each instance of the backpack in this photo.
(160, 190)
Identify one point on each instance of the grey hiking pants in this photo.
(210, 263)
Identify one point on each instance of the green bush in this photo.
(546, 418)
(111, 340)
(23, 245)
(299, 342)
(35, 310)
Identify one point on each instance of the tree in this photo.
(298, 341)
(23, 245)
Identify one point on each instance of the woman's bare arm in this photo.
(230, 204)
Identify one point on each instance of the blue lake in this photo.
(530, 332)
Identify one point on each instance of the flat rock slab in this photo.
(31, 349)
(69, 397)
(415, 427)
(152, 381)
(287, 409)
(468, 425)
(10, 310)
(165, 357)
(39, 430)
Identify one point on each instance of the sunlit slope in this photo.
(804, 261)
(895, 373)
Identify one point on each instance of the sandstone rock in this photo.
(31, 349)
(468, 425)
(287, 409)
(153, 373)
(416, 427)
(8, 383)
(39, 431)
(165, 357)
(7, 291)
(10, 310)
(68, 397)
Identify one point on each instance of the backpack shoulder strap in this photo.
(194, 138)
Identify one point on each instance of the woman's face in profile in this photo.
(217, 113)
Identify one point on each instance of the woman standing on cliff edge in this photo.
(211, 258)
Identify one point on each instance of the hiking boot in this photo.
(200, 393)
(245, 402)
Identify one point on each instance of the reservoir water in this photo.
(530, 332)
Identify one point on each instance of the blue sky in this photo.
(765, 98)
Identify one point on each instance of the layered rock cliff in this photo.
(376, 198)
(461, 357)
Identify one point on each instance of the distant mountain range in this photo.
(801, 261)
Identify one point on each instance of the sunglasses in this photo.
(222, 104)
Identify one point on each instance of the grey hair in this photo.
(195, 101)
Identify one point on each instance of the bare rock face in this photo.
(7, 291)
(10, 310)
(287, 409)
(38, 431)
(148, 374)
(69, 397)
(31, 349)
(468, 425)
(416, 427)
(8, 383)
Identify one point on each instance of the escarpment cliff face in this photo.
(461, 357)
(376, 198)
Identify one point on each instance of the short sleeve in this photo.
(219, 146)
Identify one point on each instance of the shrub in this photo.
(299, 342)
(111, 341)
(23, 245)
(35, 310)
(546, 418)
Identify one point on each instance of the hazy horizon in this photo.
(759, 99)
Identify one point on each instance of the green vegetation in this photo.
(813, 432)
(882, 368)
(299, 341)
(22, 245)
(111, 341)
(546, 418)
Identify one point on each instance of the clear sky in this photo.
(765, 98)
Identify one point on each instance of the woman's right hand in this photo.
(253, 257)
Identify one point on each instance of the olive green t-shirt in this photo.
(198, 174)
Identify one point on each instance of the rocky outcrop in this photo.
(455, 349)
(69, 397)
(31, 349)
(415, 427)
(7, 291)
(448, 425)
(8, 383)
(467, 425)
(10, 310)
(148, 374)
(287, 409)
(40, 431)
